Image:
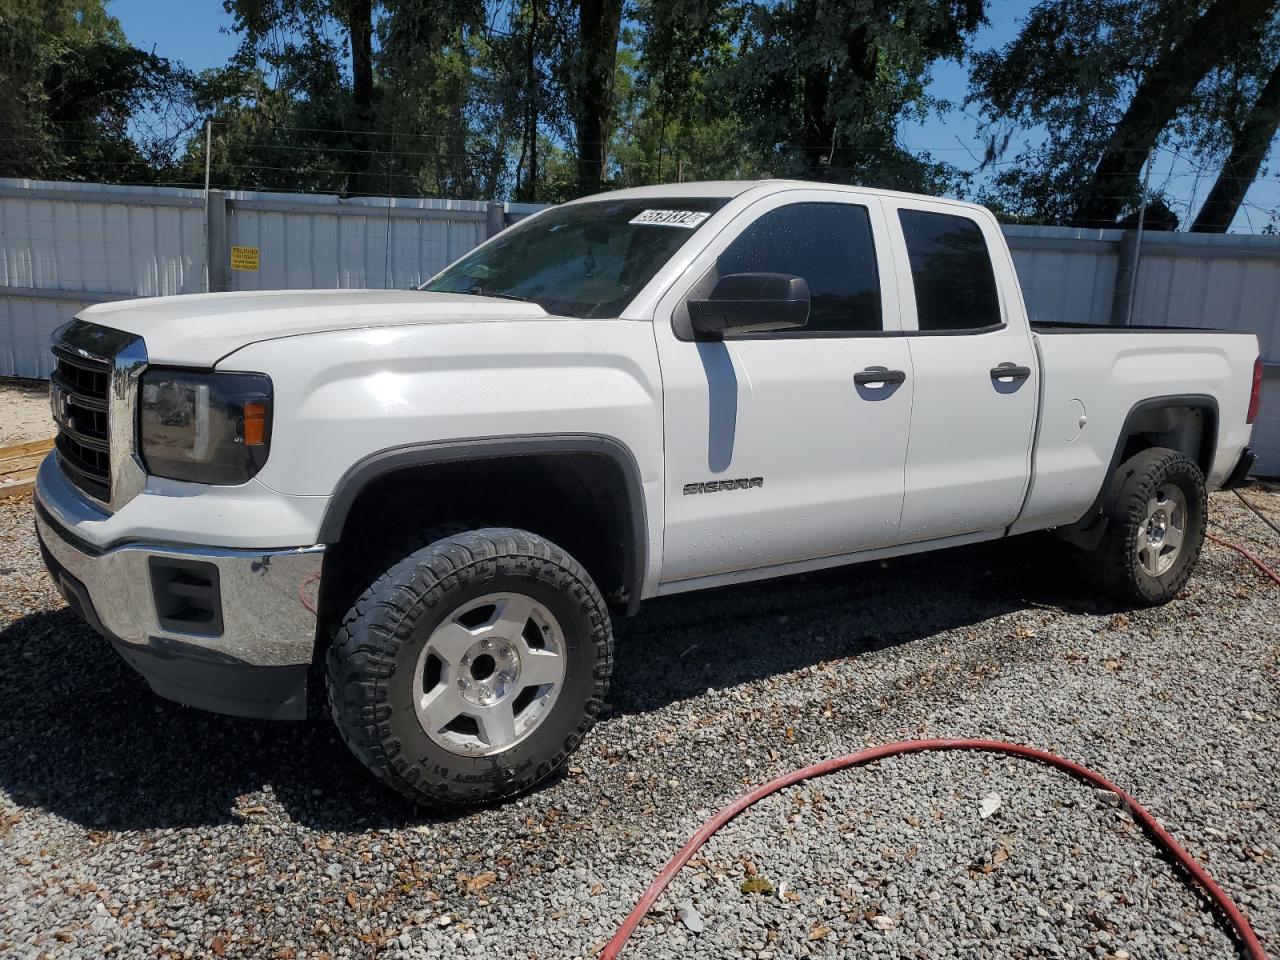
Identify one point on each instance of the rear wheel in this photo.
(1156, 527)
(471, 669)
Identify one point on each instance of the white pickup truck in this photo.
(442, 496)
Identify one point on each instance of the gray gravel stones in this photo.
(133, 827)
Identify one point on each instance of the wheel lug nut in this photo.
(504, 653)
(486, 643)
(462, 683)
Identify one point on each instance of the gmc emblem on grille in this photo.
(716, 486)
(60, 404)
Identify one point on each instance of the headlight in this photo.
(205, 427)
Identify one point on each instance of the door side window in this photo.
(830, 246)
(951, 270)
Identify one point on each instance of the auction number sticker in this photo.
(671, 218)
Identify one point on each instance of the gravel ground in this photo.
(24, 411)
(130, 826)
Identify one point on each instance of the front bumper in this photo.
(251, 660)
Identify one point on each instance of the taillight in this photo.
(1255, 394)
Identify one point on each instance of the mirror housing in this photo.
(751, 302)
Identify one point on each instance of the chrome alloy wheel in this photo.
(1160, 536)
(489, 674)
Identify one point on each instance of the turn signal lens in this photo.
(255, 424)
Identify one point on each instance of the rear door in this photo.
(780, 447)
(976, 375)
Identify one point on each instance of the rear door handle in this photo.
(864, 378)
(1010, 371)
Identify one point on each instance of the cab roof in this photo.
(733, 188)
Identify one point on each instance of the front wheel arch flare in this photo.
(384, 463)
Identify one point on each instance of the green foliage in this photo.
(814, 88)
(550, 99)
(1072, 74)
(74, 93)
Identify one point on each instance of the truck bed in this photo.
(1091, 387)
(1054, 326)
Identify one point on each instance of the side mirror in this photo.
(755, 302)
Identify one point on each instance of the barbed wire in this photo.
(408, 165)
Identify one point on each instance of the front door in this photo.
(790, 445)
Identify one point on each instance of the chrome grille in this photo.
(79, 394)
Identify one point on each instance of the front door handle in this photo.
(1010, 371)
(864, 378)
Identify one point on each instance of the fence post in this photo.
(217, 253)
(1123, 292)
(495, 218)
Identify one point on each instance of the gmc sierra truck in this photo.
(438, 498)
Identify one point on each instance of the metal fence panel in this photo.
(101, 242)
(359, 242)
(1226, 294)
(25, 326)
(1266, 428)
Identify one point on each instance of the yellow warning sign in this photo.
(244, 258)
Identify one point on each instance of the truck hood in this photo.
(200, 329)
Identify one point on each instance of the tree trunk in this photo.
(529, 189)
(824, 157)
(360, 26)
(1167, 86)
(360, 29)
(1241, 169)
(818, 132)
(598, 25)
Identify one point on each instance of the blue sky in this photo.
(200, 37)
(189, 31)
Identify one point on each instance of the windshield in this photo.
(583, 259)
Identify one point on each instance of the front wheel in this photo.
(1156, 527)
(471, 669)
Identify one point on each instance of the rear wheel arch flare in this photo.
(1167, 419)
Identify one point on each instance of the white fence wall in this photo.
(1067, 275)
(319, 241)
(64, 245)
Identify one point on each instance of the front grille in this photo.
(80, 388)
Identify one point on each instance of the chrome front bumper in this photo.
(254, 662)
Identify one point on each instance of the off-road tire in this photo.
(370, 667)
(1116, 564)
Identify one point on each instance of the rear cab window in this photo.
(951, 272)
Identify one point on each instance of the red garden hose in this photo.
(1161, 836)
(1257, 561)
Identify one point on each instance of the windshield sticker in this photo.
(671, 218)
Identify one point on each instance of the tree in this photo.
(357, 17)
(590, 84)
(1098, 84)
(75, 95)
(446, 97)
(677, 124)
(1203, 43)
(811, 88)
(1248, 149)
